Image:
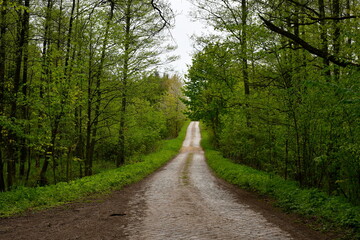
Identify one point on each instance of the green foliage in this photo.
(66, 100)
(154, 112)
(24, 198)
(332, 211)
(211, 84)
(273, 103)
(147, 124)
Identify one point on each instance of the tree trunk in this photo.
(336, 37)
(2, 182)
(3, 28)
(43, 179)
(244, 57)
(46, 43)
(92, 126)
(45, 74)
(69, 38)
(121, 143)
(24, 41)
(13, 139)
(348, 14)
(324, 38)
(89, 154)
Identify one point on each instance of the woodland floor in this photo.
(182, 200)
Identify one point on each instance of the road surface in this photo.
(183, 200)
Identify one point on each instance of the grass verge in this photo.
(329, 211)
(24, 198)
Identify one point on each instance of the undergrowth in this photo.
(331, 212)
(25, 198)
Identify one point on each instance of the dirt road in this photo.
(183, 200)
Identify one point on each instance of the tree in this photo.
(62, 79)
(301, 105)
(212, 81)
(3, 29)
(232, 17)
(142, 27)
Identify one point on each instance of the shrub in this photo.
(332, 210)
(24, 198)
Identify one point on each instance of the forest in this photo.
(79, 87)
(278, 85)
(277, 82)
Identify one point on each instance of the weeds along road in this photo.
(183, 200)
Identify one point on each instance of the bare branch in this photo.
(305, 6)
(166, 23)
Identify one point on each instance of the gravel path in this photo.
(183, 200)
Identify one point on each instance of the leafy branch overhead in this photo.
(316, 51)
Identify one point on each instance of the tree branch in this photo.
(307, 46)
(166, 23)
(333, 18)
(304, 6)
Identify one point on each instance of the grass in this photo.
(331, 212)
(25, 198)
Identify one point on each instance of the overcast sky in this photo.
(184, 29)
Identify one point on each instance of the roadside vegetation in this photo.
(278, 85)
(331, 213)
(26, 198)
(80, 88)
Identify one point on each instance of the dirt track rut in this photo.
(183, 200)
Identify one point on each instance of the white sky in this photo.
(184, 29)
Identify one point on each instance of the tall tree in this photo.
(24, 46)
(3, 29)
(142, 33)
(299, 105)
(93, 123)
(66, 72)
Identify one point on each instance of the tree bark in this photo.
(69, 38)
(93, 124)
(45, 75)
(244, 59)
(121, 143)
(24, 42)
(89, 153)
(244, 56)
(3, 29)
(13, 140)
(336, 37)
(324, 38)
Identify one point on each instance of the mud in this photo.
(183, 200)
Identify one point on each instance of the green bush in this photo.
(24, 198)
(333, 211)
